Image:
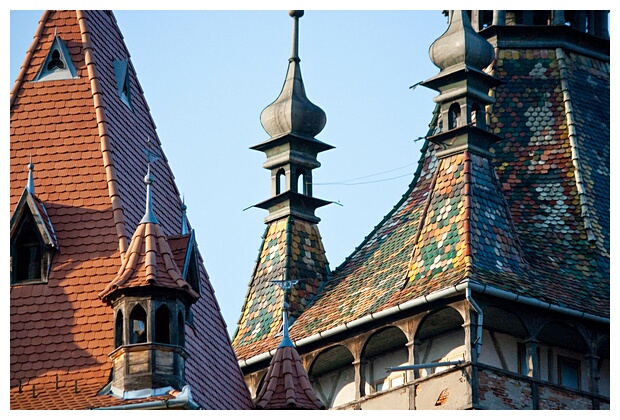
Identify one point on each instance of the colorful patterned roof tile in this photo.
(533, 220)
(292, 249)
(86, 144)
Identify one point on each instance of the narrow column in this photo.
(359, 378)
(531, 358)
(558, 18)
(499, 17)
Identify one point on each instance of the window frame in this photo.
(561, 361)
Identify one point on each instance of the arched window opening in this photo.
(118, 330)
(486, 18)
(333, 377)
(303, 183)
(454, 116)
(162, 325)
(27, 253)
(502, 326)
(542, 17)
(280, 181)
(562, 355)
(442, 339)
(181, 329)
(137, 325)
(477, 116)
(383, 350)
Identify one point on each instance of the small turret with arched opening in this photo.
(292, 121)
(149, 297)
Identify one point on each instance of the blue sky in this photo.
(207, 75)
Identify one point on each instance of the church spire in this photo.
(292, 121)
(462, 55)
(292, 112)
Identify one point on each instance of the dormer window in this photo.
(123, 84)
(32, 241)
(57, 64)
(27, 253)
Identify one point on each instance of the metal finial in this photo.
(149, 216)
(292, 112)
(30, 184)
(295, 14)
(285, 285)
(184, 227)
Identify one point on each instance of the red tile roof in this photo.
(286, 384)
(87, 147)
(149, 263)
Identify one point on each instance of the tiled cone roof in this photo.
(292, 249)
(548, 241)
(149, 263)
(87, 145)
(286, 384)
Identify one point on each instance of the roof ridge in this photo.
(249, 288)
(106, 147)
(29, 53)
(572, 136)
(416, 238)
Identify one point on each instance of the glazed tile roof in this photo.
(286, 384)
(87, 146)
(534, 220)
(292, 249)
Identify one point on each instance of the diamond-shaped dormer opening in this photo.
(123, 84)
(58, 64)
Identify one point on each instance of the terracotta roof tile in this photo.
(286, 384)
(100, 202)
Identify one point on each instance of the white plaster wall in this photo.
(440, 347)
(489, 353)
(340, 383)
(376, 369)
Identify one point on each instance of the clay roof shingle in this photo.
(87, 146)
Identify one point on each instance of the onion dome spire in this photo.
(292, 112)
(461, 45)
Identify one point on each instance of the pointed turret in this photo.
(464, 184)
(292, 121)
(286, 385)
(150, 298)
(292, 248)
